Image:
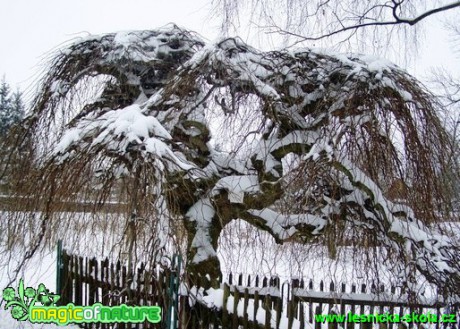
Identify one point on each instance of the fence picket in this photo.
(224, 306)
(79, 289)
(256, 305)
(362, 306)
(301, 315)
(236, 298)
(104, 281)
(342, 303)
(319, 308)
(278, 307)
(66, 280)
(318, 311)
(92, 275)
(268, 309)
(112, 283)
(245, 307)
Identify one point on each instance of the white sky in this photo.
(31, 28)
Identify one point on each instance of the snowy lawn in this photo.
(42, 269)
(242, 250)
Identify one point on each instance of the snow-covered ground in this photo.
(90, 240)
(243, 249)
(41, 269)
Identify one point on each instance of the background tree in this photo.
(319, 142)
(11, 113)
(11, 107)
(385, 28)
(446, 85)
(5, 104)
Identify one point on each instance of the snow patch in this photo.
(237, 186)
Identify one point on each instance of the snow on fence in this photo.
(250, 301)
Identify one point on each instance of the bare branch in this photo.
(397, 21)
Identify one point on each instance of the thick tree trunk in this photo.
(205, 273)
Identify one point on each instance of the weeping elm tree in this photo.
(313, 142)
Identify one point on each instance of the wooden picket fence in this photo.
(85, 281)
(249, 301)
(294, 304)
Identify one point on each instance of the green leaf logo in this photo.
(21, 302)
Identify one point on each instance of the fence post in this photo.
(224, 306)
(173, 292)
(268, 311)
(59, 267)
(245, 308)
(292, 303)
(236, 300)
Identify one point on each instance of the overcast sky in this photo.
(31, 28)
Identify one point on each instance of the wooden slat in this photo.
(236, 299)
(245, 308)
(225, 321)
(79, 290)
(268, 313)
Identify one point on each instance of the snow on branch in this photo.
(433, 251)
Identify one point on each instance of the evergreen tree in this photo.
(11, 107)
(5, 105)
(11, 112)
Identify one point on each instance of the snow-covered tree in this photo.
(308, 141)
